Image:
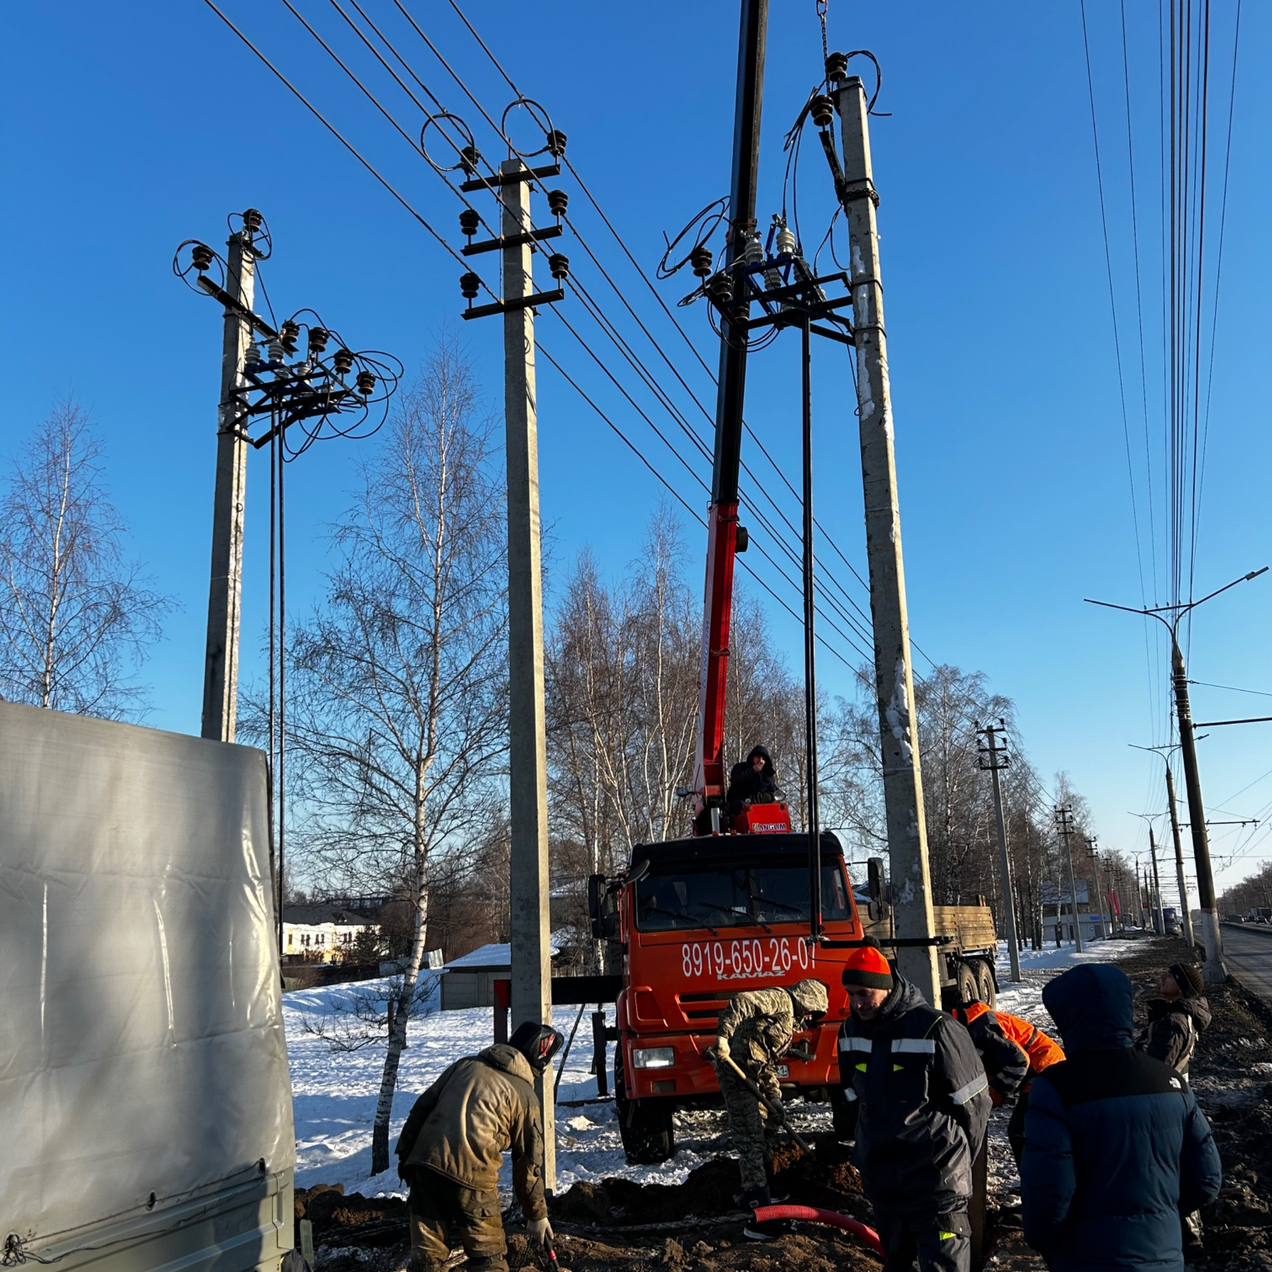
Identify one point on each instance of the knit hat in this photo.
(867, 967)
(1188, 978)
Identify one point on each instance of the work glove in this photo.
(540, 1230)
(722, 1048)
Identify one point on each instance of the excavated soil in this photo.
(622, 1226)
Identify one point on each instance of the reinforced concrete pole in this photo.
(1096, 887)
(225, 591)
(1215, 973)
(894, 677)
(1186, 916)
(527, 747)
(1065, 834)
(1009, 899)
(1159, 919)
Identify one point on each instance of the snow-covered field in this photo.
(335, 1091)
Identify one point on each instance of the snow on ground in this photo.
(335, 1090)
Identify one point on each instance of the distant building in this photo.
(324, 931)
(469, 981)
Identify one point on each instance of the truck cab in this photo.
(695, 921)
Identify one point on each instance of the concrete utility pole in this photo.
(1186, 915)
(1159, 919)
(994, 757)
(1091, 841)
(1064, 823)
(527, 746)
(225, 594)
(1215, 973)
(894, 677)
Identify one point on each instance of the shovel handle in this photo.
(776, 1109)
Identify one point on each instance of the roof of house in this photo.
(493, 957)
(316, 912)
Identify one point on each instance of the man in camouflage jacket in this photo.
(755, 1031)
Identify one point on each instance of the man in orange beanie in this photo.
(922, 1105)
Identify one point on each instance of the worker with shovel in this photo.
(754, 1032)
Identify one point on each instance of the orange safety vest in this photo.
(1041, 1049)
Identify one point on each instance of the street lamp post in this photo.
(1215, 972)
(1184, 905)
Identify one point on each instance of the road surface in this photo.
(1249, 957)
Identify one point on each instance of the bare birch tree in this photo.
(398, 723)
(76, 616)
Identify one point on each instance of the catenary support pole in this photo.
(1185, 908)
(1159, 919)
(1064, 819)
(527, 747)
(220, 664)
(1215, 973)
(894, 677)
(993, 757)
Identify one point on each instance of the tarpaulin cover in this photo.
(141, 1037)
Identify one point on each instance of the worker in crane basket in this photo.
(1013, 1052)
(754, 781)
(452, 1146)
(755, 1031)
(920, 1096)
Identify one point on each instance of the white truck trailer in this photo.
(144, 1089)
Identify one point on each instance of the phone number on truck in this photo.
(747, 958)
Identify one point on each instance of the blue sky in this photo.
(130, 129)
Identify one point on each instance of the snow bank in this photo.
(335, 1092)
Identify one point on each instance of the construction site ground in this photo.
(622, 1224)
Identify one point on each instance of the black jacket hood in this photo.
(763, 752)
(1092, 1005)
(1197, 1008)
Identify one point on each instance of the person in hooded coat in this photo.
(1115, 1145)
(452, 1146)
(754, 781)
(755, 1030)
(921, 1098)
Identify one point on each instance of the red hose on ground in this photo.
(832, 1217)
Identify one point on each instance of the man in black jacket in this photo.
(921, 1099)
(754, 781)
(1174, 1021)
(1115, 1145)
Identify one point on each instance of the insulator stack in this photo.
(203, 256)
(784, 243)
(469, 286)
(700, 260)
(365, 383)
(559, 266)
(318, 339)
(558, 201)
(720, 288)
(252, 220)
(556, 143)
(469, 157)
(836, 66)
(342, 361)
(822, 110)
(469, 220)
(288, 334)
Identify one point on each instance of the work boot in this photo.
(771, 1229)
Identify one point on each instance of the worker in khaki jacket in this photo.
(755, 1031)
(452, 1145)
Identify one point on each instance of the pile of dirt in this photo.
(822, 1179)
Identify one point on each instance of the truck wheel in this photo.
(987, 989)
(645, 1126)
(965, 983)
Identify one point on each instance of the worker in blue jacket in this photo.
(1115, 1145)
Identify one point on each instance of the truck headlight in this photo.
(653, 1057)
